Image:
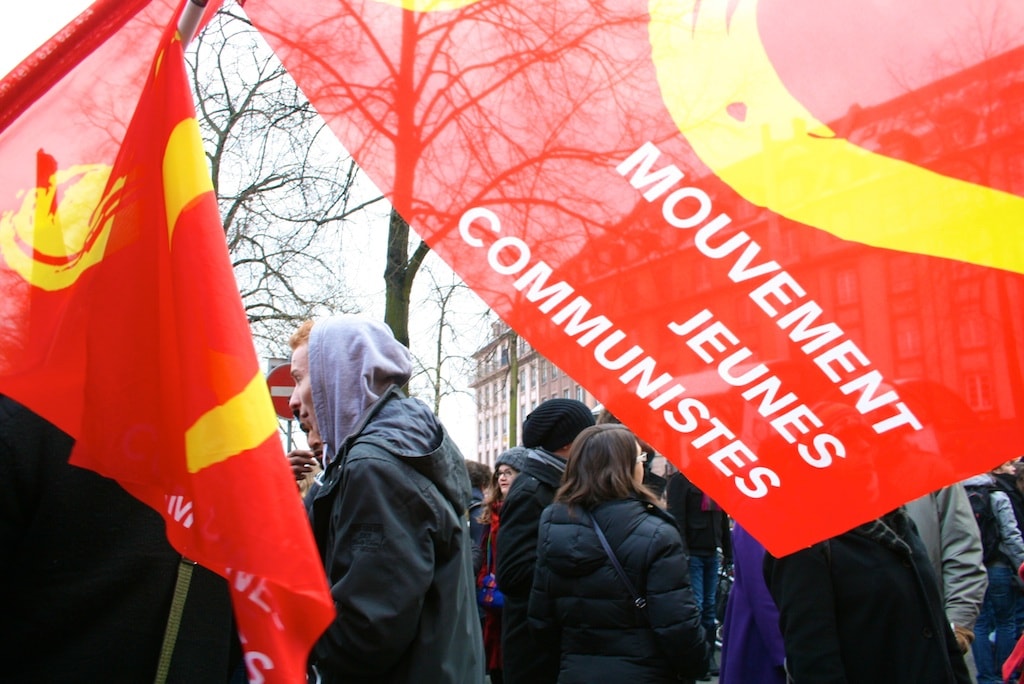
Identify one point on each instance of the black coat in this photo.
(579, 600)
(853, 610)
(390, 523)
(703, 531)
(87, 574)
(531, 492)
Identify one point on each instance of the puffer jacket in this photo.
(579, 600)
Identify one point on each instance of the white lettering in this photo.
(472, 215)
(644, 157)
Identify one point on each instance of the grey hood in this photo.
(980, 480)
(352, 362)
(408, 430)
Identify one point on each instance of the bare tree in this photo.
(299, 214)
(284, 184)
(455, 314)
(425, 108)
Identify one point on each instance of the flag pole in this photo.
(190, 20)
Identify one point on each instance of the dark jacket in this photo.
(87, 574)
(390, 523)
(858, 610)
(477, 529)
(703, 525)
(531, 492)
(579, 600)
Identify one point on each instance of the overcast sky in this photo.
(27, 25)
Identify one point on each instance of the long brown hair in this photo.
(492, 497)
(600, 468)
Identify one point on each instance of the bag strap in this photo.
(185, 567)
(639, 601)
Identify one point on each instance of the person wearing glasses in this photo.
(506, 468)
(611, 590)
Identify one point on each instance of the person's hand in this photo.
(302, 462)
(964, 637)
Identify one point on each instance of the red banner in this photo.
(776, 239)
(122, 323)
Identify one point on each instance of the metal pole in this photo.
(190, 19)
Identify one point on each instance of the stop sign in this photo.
(281, 384)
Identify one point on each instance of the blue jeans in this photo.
(998, 615)
(704, 579)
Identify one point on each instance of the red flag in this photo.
(128, 331)
(778, 240)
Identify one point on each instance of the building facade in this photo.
(511, 379)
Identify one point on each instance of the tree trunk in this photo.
(398, 276)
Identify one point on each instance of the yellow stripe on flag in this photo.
(725, 96)
(244, 422)
(185, 174)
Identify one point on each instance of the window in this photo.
(789, 242)
(978, 391)
(847, 287)
(972, 332)
(901, 274)
(908, 338)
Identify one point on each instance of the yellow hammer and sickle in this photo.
(52, 249)
(707, 62)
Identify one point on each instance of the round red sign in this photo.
(281, 384)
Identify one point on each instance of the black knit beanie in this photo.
(555, 423)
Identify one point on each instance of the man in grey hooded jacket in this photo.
(389, 515)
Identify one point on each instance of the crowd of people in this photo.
(570, 561)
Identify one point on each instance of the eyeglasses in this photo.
(504, 473)
(642, 458)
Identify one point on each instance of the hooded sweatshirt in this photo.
(352, 362)
(389, 519)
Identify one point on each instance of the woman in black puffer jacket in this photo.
(579, 603)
